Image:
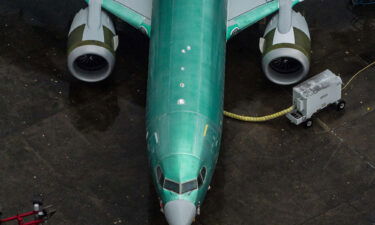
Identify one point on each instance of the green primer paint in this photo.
(245, 20)
(134, 19)
(185, 91)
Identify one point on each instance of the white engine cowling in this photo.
(286, 48)
(92, 44)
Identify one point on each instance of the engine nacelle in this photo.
(92, 44)
(286, 48)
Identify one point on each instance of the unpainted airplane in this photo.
(186, 77)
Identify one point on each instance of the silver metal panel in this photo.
(317, 93)
(239, 7)
(285, 16)
(143, 7)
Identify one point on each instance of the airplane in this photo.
(185, 93)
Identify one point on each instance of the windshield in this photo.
(160, 176)
(201, 176)
(180, 188)
(189, 186)
(172, 186)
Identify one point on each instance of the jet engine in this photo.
(92, 44)
(286, 47)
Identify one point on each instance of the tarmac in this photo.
(83, 145)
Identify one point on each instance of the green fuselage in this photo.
(185, 93)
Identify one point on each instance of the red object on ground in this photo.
(21, 219)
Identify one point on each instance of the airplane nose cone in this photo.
(180, 212)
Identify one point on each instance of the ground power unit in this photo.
(314, 95)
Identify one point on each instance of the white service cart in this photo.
(315, 94)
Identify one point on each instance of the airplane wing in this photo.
(135, 12)
(244, 13)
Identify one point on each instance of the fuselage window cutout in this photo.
(160, 176)
(202, 176)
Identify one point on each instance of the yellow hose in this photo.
(285, 111)
(356, 75)
(259, 119)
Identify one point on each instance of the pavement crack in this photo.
(332, 156)
(321, 214)
(325, 127)
(40, 158)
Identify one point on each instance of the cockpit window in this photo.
(172, 186)
(158, 172)
(203, 173)
(189, 186)
(160, 176)
(181, 188)
(202, 176)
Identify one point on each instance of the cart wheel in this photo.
(340, 105)
(309, 123)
